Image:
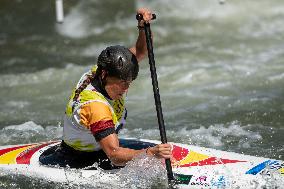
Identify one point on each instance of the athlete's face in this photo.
(115, 87)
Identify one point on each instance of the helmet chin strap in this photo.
(102, 80)
(103, 77)
(99, 81)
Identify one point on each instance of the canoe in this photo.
(195, 167)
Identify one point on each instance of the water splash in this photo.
(143, 172)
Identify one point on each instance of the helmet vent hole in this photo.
(107, 53)
(120, 62)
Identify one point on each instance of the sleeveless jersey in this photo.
(76, 130)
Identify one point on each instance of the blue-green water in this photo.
(220, 69)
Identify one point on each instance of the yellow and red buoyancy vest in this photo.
(76, 133)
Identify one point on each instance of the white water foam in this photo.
(29, 132)
(50, 75)
(191, 9)
(142, 172)
(79, 23)
(74, 25)
(215, 136)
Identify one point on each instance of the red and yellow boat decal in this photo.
(20, 154)
(281, 171)
(186, 158)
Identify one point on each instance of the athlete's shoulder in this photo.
(97, 109)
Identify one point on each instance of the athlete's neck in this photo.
(98, 85)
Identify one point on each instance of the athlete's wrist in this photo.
(150, 151)
(147, 151)
(140, 28)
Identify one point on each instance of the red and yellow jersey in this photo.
(91, 114)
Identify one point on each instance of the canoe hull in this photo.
(194, 167)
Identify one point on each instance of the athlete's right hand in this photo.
(147, 16)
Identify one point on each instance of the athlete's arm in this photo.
(97, 117)
(119, 156)
(140, 48)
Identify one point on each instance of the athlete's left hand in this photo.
(161, 151)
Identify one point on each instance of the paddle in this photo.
(156, 91)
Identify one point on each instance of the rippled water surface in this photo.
(219, 63)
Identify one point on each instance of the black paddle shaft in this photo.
(156, 91)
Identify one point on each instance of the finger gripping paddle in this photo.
(156, 90)
(140, 17)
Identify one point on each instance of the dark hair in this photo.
(85, 83)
